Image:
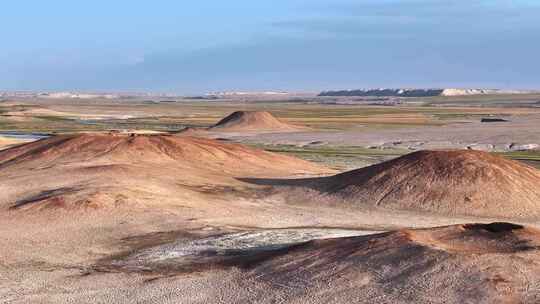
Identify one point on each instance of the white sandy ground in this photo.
(245, 241)
(48, 258)
(6, 142)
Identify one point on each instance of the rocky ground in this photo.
(120, 218)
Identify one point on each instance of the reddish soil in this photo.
(450, 182)
(116, 169)
(480, 263)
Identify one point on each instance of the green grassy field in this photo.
(484, 100)
(62, 116)
(349, 157)
(530, 157)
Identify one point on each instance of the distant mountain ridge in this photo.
(389, 92)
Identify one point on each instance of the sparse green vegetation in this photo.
(33, 116)
(341, 158)
(530, 157)
(28, 115)
(348, 157)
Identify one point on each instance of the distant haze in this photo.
(191, 47)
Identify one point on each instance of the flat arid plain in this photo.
(270, 199)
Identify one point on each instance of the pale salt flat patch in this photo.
(259, 240)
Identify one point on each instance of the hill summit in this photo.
(253, 121)
(478, 259)
(106, 169)
(461, 182)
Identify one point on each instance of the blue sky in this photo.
(298, 45)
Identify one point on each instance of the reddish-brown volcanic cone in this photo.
(477, 263)
(195, 152)
(448, 182)
(253, 121)
(152, 169)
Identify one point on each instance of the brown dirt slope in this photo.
(253, 121)
(449, 182)
(476, 263)
(189, 151)
(119, 168)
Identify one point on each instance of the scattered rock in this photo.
(524, 147)
(493, 120)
